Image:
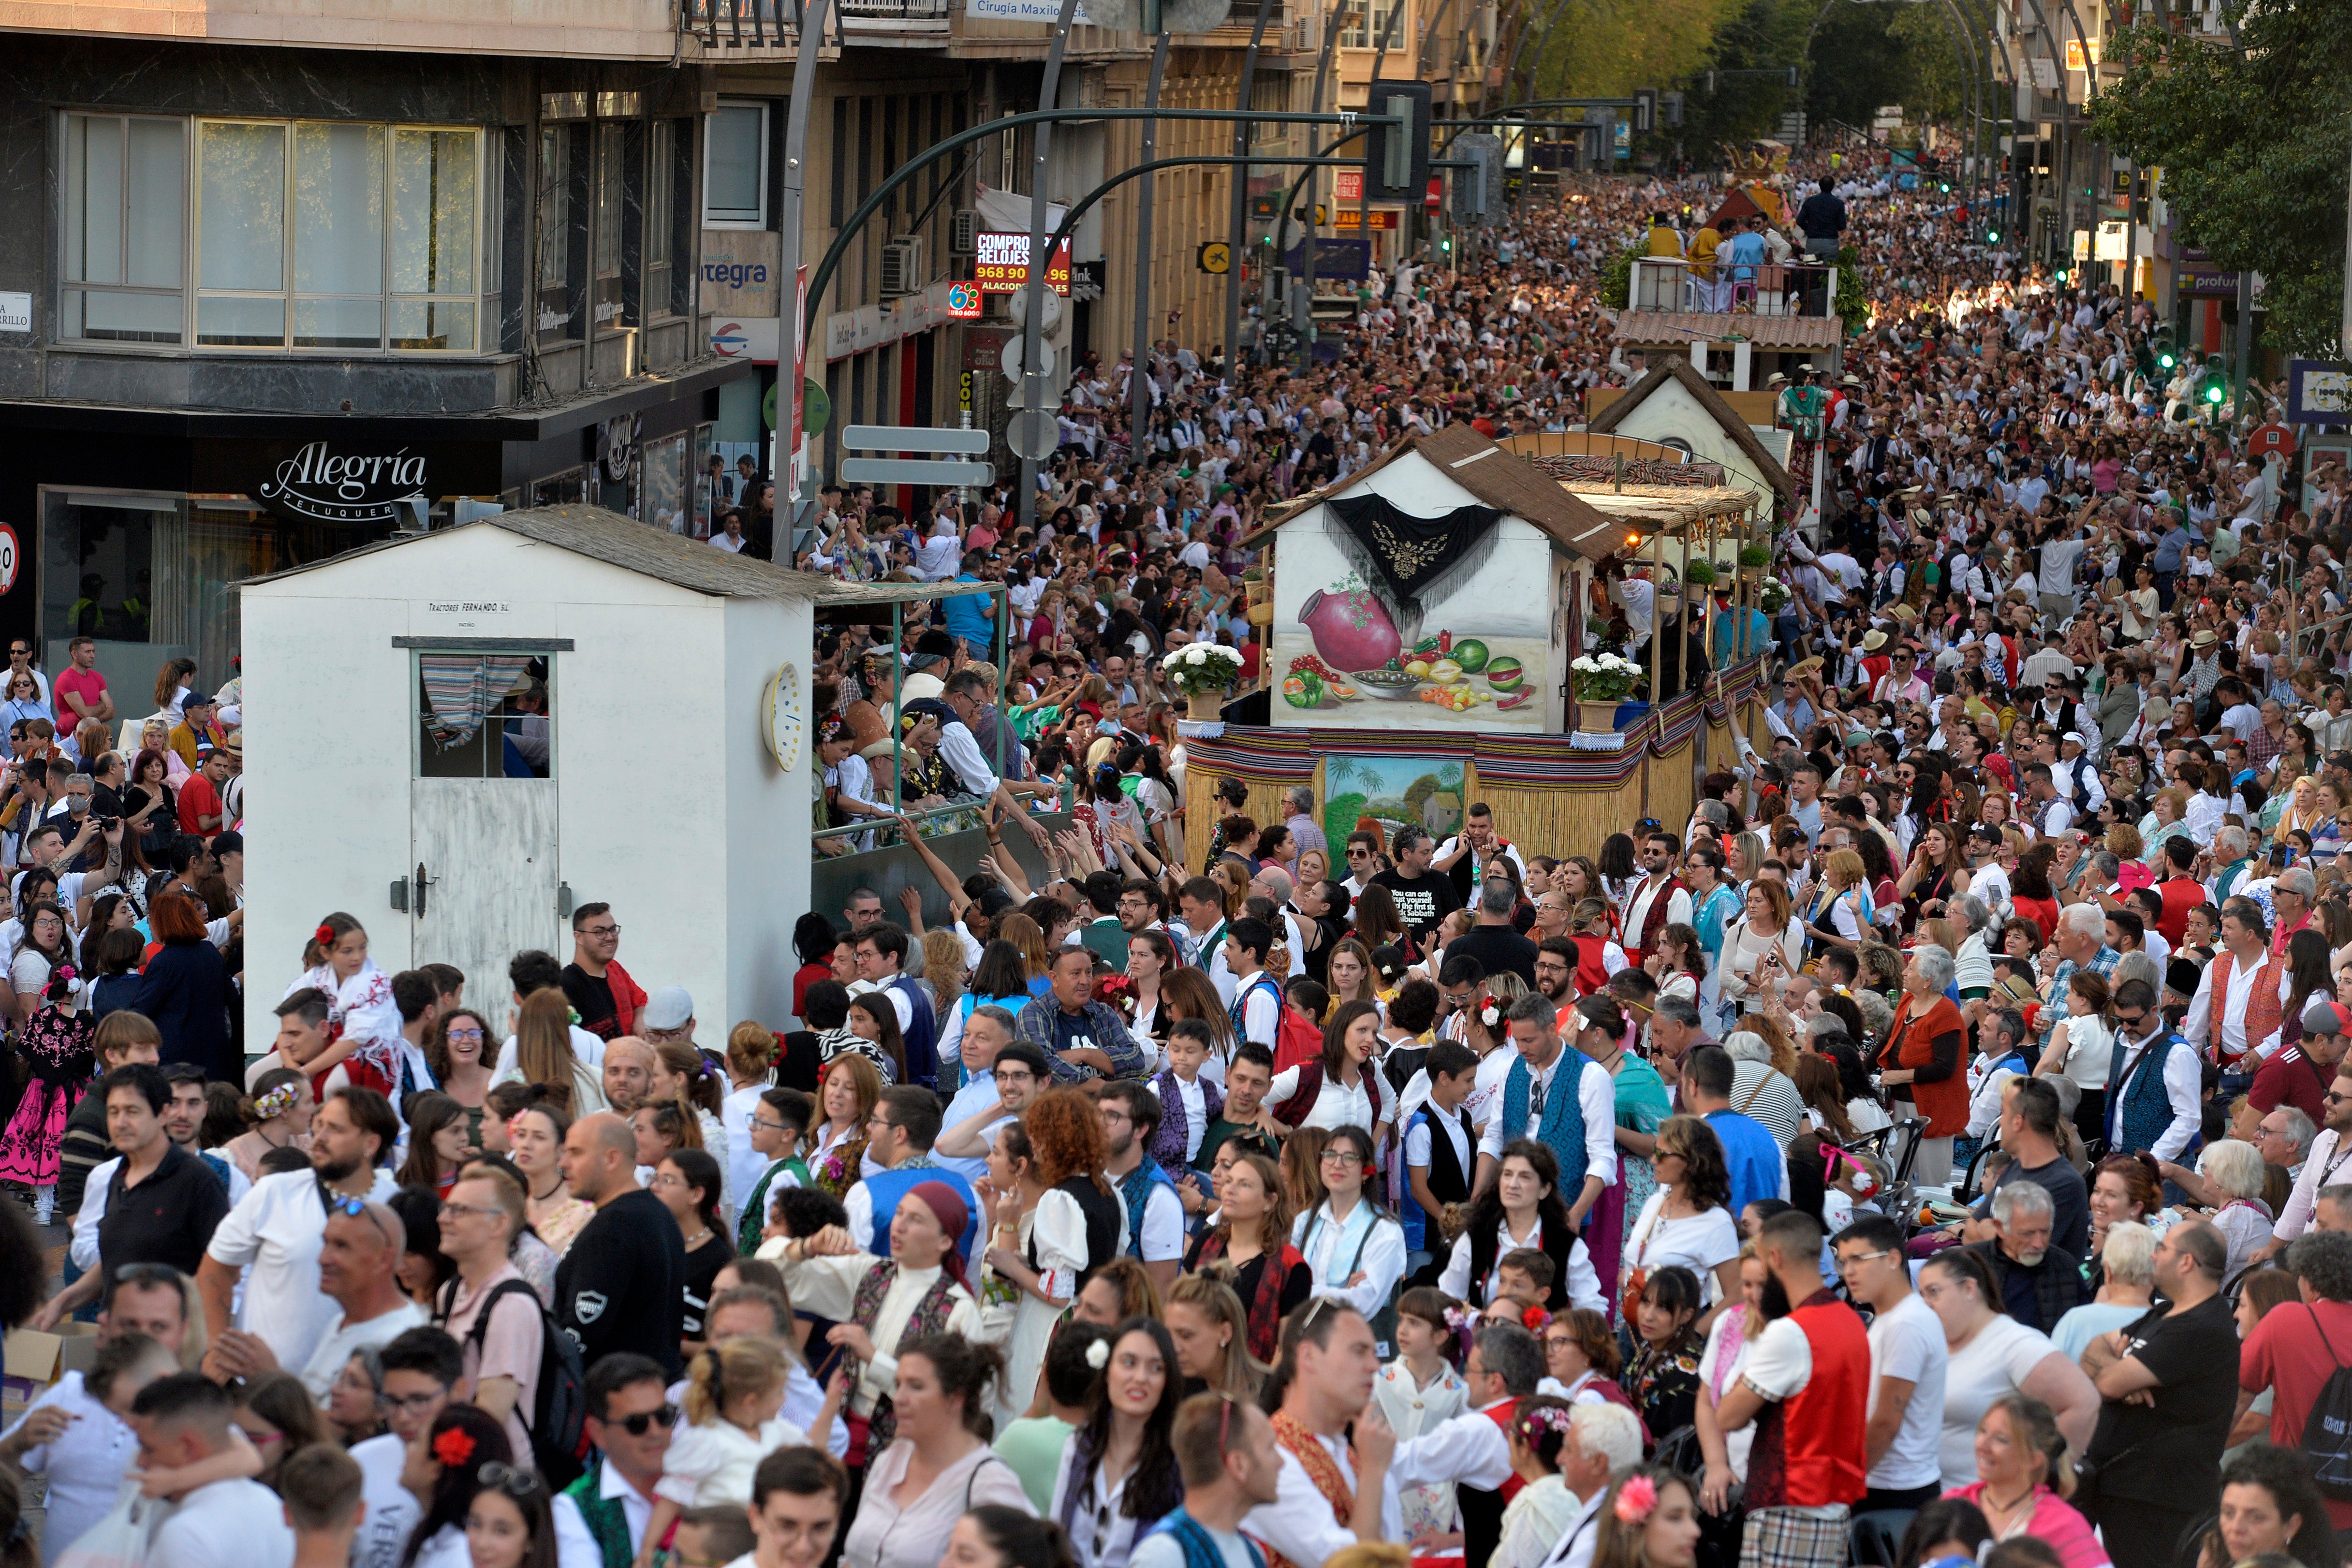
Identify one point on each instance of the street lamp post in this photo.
(1032, 372)
(1138, 386)
(808, 42)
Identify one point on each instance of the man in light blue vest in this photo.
(1560, 1097)
(899, 1135)
(2155, 1083)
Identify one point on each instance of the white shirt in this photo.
(1299, 1523)
(977, 1095)
(1907, 1342)
(274, 1233)
(1163, 1236)
(2198, 1028)
(2326, 1164)
(84, 1464)
(1337, 1104)
(1596, 1096)
(575, 1547)
(1698, 1242)
(1583, 1284)
(228, 1524)
(341, 1339)
(585, 1046)
(1637, 908)
(1575, 1548)
(393, 1510)
(1997, 1361)
(1469, 1449)
(1330, 1247)
(711, 1463)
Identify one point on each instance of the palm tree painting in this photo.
(1389, 793)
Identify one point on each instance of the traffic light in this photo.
(1396, 167)
(2213, 386)
(1645, 109)
(1992, 237)
(1478, 192)
(1670, 108)
(2167, 356)
(2059, 276)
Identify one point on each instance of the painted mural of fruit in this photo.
(1445, 672)
(1302, 690)
(1351, 628)
(1504, 675)
(1471, 655)
(1418, 669)
(1516, 699)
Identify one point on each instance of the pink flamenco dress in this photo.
(56, 1046)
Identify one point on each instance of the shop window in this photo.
(483, 714)
(292, 250)
(662, 479)
(124, 227)
(709, 482)
(152, 577)
(569, 488)
(735, 167)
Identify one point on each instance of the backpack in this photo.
(2327, 1430)
(556, 1421)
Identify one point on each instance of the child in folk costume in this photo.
(1416, 1391)
(362, 1022)
(56, 1046)
(1540, 1512)
(1189, 1101)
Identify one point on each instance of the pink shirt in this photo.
(87, 685)
(2054, 1520)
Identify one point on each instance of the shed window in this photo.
(484, 715)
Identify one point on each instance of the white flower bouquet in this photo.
(1603, 677)
(1199, 668)
(1772, 597)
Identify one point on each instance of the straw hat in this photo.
(1873, 641)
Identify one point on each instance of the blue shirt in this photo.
(1751, 1155)
(963, 617)
(1748, 252)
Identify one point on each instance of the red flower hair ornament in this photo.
(453, 1447)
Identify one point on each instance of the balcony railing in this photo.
(739, 23)
(1786, 289)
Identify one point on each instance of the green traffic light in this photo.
(2215, 392)
(2166, 361)
(1947, 190)
(1992, 237)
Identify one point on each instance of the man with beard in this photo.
(1806, 1390)
(274, 1233)
(1555, 966)
(1155, 1215)
(2040, 1282)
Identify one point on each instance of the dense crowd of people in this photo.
(1932, 1149)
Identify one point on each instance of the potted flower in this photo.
(1601, 682)
(1700, 573)
(1773, 596)
(1204, 673)
(1754, 558)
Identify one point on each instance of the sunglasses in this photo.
(518, 1481)
(664, 1415)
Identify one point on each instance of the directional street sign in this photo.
(1214, 258)
(905, 438)
(915, 471)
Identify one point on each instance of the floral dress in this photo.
(1664, 1383)
(56, 1046)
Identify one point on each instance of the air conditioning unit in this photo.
(963, 232)
(903, 271)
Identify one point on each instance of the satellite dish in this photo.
(1174, 16)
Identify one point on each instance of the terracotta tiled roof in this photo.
(1658, 329)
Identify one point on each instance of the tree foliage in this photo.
(2254, 142)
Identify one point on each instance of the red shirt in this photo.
(2291, 1078)
(2286, 1353)
(2182, 894)
(198, 799)
(87, 685)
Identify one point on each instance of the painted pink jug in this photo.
(1351, 629)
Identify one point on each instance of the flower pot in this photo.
(1206, 706)
(1596, 717)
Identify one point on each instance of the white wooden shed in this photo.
(378, 778)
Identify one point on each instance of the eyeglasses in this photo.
(472, 1034)
(518, 1481)
(449, 1208)
(410, 1404)
(600, 931)
(1855, 1259)
(772, 1126)
(664, 1415)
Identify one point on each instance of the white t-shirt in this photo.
(341, 1339)
(1995, 1362)
(1907, 1342)
(228, 1524)
(276, 1230)
(1698, 1242)
(393, 1510)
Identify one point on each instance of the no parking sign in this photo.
(11, 556)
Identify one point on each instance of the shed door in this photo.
(483, 819)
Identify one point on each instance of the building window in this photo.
(292, 248)
(611, 166)
(735, 167)
(661, 215)
(552, 320)
(126, 201)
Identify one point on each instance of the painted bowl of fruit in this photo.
(1395, 685)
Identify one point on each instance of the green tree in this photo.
(2253, 140)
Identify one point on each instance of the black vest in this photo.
(1106, 1222)
(1558, 1245)
(1448, 1182)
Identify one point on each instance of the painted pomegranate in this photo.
(1351, 628)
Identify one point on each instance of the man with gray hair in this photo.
(1472, 1450)
(2285, 1138)
(1305, 834)
(1494, 941)
(2039, 1282)
(1002, 1074)
(2081, 943)
(2292, 891)
(1766, 1093)
(1604, 1441)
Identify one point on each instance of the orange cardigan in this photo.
(1911, 1043)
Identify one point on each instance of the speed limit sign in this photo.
(11, 556)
